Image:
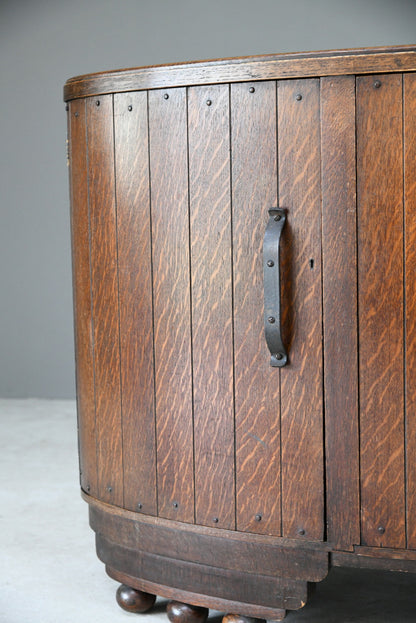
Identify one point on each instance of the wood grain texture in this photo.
(135, 296)
(301, 380)
(212, 338)
(104, 281)
(171, 292)
(410, 298)
(257, 384)
(380, 292)
(339, 264)
(82, 296)
(277, 66)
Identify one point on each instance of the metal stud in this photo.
(209, 102)
(252, 90)
(110, 489)
(298, 97)
(258, 517)
(377, 84)
(97, 102)
(130, 108)
(140, 506)
(175, 505)
(270, 263)
(301, 531)
(215, 520)
(271, 319)
(381, 530)
(277, 217)
(166, 96)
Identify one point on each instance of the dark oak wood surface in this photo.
(339, 267)
(172, 313)
(77, 142)
(211, 295)
(380, 305)
(244, 551)
(271, 67)
(257, 384)
(202, 599)
(409, 92)
(135, 300)
(257, 589)
(105, 304)
(301, 380)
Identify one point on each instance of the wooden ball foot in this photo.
(238, 618)
(184, 613)
(132, 600)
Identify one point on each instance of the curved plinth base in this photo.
(251, 612)
(245, 575)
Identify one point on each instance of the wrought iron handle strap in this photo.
(271, 274)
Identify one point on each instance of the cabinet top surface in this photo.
(249, 68)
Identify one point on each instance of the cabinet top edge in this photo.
(245, 69)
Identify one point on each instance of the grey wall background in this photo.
(44, 42)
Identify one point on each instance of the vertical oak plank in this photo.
(82, 296)
(410, 298)
(339, 263)
(212, 338)
(105, 298)
(301, 379)
(171, 288)
(257, 384)
(135, 295)
(380, 296)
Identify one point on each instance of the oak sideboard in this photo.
(244, 270)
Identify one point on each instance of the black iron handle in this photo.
(271, 280)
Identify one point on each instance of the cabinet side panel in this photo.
(212, 337)
(257, 384)
(380, 297)
(301, 380)
(410, 250)
(171, 292)
(81, 270)
(105, 298)
(340, 309)
(135, 292)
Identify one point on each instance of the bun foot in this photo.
(184, 613)
(132, 600)
(238, 618)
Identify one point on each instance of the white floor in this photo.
(49, 572)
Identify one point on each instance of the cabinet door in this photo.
(183, 417)
(275, 133)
